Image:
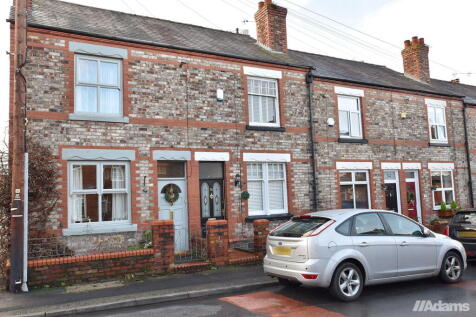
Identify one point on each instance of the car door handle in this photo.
(403, 244)
(363, 244)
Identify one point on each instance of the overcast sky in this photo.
(445, 25)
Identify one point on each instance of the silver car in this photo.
(343, 250)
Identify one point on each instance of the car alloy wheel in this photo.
(349, 282)
(453, 267)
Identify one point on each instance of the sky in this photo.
(364, 30)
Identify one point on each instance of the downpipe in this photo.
(24, 285)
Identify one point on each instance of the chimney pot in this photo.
(268, 2)
(455, 81)
(260, 4)
(415, 59)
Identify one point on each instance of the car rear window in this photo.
(298, 226)
(465, 217)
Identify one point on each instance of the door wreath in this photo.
(172, 193)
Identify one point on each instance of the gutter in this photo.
(309, 81)
(468, 156)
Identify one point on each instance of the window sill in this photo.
(98, 117)
(78, 230)
(443, 144)
(269, 217)
(349, 140)
(265, 128)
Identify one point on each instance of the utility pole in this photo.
(18, 149)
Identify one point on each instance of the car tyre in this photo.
(287, 283)
(451, 270)
(347, 282)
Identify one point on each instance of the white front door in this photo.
(177, 210)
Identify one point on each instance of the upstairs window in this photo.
(97, 85)
(350, 117)
(437, 123)
(263, 102)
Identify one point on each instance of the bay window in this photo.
(99, 192)
(267, 188)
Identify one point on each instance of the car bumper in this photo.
(294, 271)
(470, 249)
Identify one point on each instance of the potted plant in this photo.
(444, 212)
(438, 224)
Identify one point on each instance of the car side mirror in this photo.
(426, 232)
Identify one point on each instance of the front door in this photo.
(173, 201)
(412, 188)
(211, 192)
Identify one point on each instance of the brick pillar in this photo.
(163, 244)
(217, 241)
(260, 230)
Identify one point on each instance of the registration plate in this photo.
(282, 251)
(466, 234)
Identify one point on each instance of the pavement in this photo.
(88, 298)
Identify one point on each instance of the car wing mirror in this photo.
(426, 232)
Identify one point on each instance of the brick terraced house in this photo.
(152, 119)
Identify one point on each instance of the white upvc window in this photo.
(263, 102)
(267, 189)
(354, 189)
(98, 88)
(437, 123)
(442, 187)
(350, 117)
(99, 193)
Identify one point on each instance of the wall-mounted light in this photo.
(237, 180)
(403, 115)
(331, 122)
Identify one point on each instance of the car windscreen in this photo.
(298, 226)
(465, 218)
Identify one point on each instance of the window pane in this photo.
(166, 169)
(87, 71)
(434, 132)
(355, 124)
(438, 197)
(84, 177)
(272, 88)
(409, 174)
(270, 110)
(348, 103)
(255, 171)
(275, 171)
(299, 226)
(402, 226)
(347, 196)
(360, 176)
(441, 132)
(255, 202)
(361, 196)
(368, 224)
(110, 100)
(264, 87)
(255, 112)
(431, 115)
(276, 195)
(109, 73)
(114, 177)
(345, 176)
(86, 98)
(436, 180)
(391, 201)
(84, 208)
(447, 182)
(344, 123)
(114, 207)
(211, 170)
(448, 196)
(390, 175)
(439, 116)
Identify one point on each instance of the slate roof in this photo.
(73, 18)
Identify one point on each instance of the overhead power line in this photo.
(198, 14)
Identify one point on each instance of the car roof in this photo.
(339, 214)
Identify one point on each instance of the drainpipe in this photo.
(309, 79)
(24, 285)
(468, 156)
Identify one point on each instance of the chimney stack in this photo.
(415, 59)
(271, 26)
